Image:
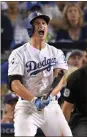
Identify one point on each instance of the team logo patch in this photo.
(66, 92)
(38, 14)
(13, 61)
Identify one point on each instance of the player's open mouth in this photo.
(41, 32)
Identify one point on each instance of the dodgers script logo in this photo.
(35, 68)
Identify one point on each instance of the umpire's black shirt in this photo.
(76, 90)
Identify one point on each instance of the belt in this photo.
(52, 99)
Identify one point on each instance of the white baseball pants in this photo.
(51, 121)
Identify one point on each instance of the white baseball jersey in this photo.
(36, 66)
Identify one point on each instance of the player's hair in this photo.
(65, 18)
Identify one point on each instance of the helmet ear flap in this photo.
(29, 27)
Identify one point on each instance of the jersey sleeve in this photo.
(15, 64)
(61, 60)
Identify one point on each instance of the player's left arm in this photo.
(59, 85)
(60, 70)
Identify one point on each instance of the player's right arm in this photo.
(20, 90)
(15, 74)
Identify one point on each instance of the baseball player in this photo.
(30, 74)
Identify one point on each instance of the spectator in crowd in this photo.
(12, 11)
(4, 82)
(4, 77)
(83, 5)
(4, 73)
(6, 33)
(22, 9)
(17, 14)
(84, 52)
(57, 14)
(75, 104)
(75, 58)
(4, 8)
(10, 101)
(54, 11)
(20, 32)
(75, 29)
(33, 6)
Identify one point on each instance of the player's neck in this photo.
(37, 44)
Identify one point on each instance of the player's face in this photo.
(40, 28)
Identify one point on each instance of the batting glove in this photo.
(40, 103)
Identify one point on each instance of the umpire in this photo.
(75, 102)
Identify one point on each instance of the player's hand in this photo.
(40, 103)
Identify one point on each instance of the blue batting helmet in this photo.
(34, 15)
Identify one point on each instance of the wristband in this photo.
(33, 100)
(52, 98)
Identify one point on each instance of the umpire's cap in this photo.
(36, 14)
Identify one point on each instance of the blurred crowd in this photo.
(68, 21)
(68, 24)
